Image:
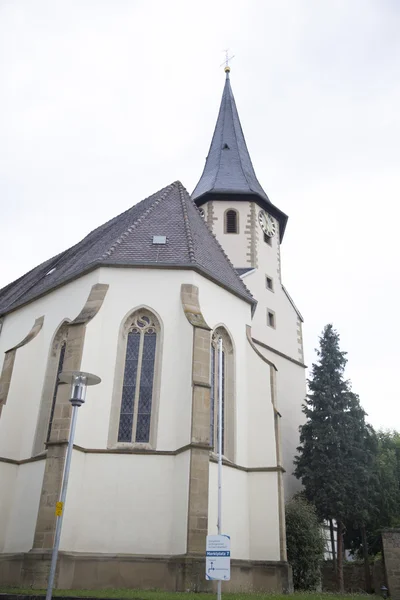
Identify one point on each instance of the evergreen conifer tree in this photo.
(331, 457)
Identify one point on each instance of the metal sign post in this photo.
(219, 522)
(79, 381)
(60, 505)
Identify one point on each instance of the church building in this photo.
(142, 302)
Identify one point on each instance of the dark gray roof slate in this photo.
(228, 165)
(228, 170)
(127, 240)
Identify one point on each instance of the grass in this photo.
(160, 595)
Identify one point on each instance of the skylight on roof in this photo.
(159, 239)
(51, 271)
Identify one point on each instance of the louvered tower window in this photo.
(137, 391)
(231, 221)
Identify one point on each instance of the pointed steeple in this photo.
(229, 173)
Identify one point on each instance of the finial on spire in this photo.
(227, 68)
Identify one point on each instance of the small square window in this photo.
(267, 239)
(271, 318)
(269, 283)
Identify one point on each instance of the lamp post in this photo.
(79, 382)
(219, 438)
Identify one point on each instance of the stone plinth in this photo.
(170, 573)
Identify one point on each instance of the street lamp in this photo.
(79, 382)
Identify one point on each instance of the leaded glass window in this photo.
(227, 386)
(138, 382)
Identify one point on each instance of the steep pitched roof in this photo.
(228, 170)
(127, 240)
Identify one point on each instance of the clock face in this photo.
(267, 223)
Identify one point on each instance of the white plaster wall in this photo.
(261, 440)
(180, 487)
(284, 337)
(8, 476)
(127, 504)
(21, 518)
(264, 521)
(249, 512)
(235, 508)
(19, 416)
(234, 244)
(160, 291)
(290, 382)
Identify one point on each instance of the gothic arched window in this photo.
(55, 365)
(231, 221)
(227, 372)
(137, 401)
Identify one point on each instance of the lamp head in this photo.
(79, 380)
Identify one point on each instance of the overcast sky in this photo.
(103, 102)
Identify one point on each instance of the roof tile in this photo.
(127, 240)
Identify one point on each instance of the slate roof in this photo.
(243, 270)
(127, 240)
(228, 170)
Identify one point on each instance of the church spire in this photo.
(228, 166)
(229, 173)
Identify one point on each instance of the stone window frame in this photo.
(233, 210)
(273, 314)
(271, 279)
(229, 392)
(48, 398)
(119, 380)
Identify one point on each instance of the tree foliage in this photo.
(305, 543)
(384, 495)
(336, 452)
(388, 479)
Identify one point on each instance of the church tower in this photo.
(250, 229)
